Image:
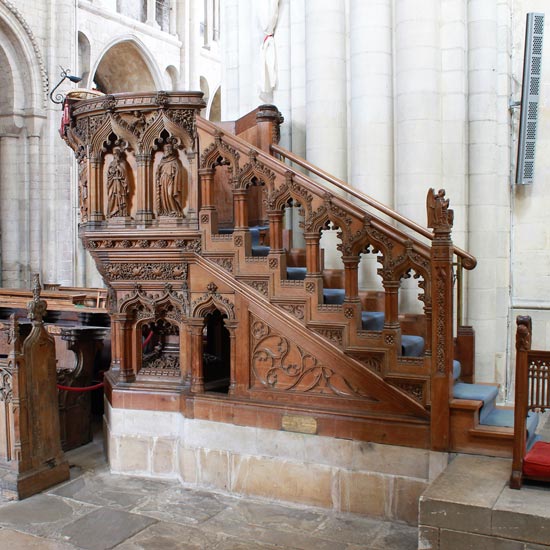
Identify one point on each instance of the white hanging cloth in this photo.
(268, 13)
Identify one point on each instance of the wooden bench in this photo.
(531, 459)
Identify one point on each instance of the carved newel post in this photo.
(31, 459)
(523, 346)
(440, 219)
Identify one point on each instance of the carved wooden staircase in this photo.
(301, 340)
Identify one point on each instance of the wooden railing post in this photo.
(275, 218)
(440, 219)
(195, 327)
(206, 176)
(144, 191)
(121, 345)
(231, 326)
(240, 206)
(313, 255)
(268, 119)
(351, 283)
(96, 188)
(523, 345)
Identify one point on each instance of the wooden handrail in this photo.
(468, 261)
(313, 186)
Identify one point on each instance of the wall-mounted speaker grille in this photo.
(530, 90)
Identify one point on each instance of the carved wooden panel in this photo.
(279, 364)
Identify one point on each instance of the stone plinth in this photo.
(471, 506)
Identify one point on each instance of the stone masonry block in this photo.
(365, 493)
(282, 480)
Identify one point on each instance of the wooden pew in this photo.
(532, 394)
(31, 458)
(78, 322)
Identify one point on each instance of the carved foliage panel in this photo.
(279, 364)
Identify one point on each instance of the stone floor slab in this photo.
(14, 540)
(104, 528)
(41, 514)
(180, 505)
(106, 489)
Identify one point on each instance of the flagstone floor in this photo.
(96, 510)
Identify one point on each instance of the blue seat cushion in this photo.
(334, 295)
(412, 346)
(260, 250)
(456, 369)
(255, 233)
(296, 273)
(372, 320)
(477, 392)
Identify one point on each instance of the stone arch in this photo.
(205, 89)
(125, 65)
(27, 78)
(215, 108)
(172, 77)
(84, 58)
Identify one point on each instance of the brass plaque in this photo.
(300, 424)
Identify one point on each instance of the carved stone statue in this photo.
(171, 184)
(117, 185)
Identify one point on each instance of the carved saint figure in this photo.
(439, 213)
(171, 184)
(83, 190)
(117, 185)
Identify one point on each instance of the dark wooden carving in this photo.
(31, 458)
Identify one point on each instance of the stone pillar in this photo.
(282, 95)
(488, 193)
(454, 117)
(297, 121)
(326, 98)
(326, 123)
(371, 101)
(195, 17)
(11, 219)
(418, 116)
(35, 190)
(152, 13)
(371, 111)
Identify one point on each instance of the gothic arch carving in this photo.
(218, 153)
(290, 190)
(210, 301)
(171, 305)
(253, 173)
